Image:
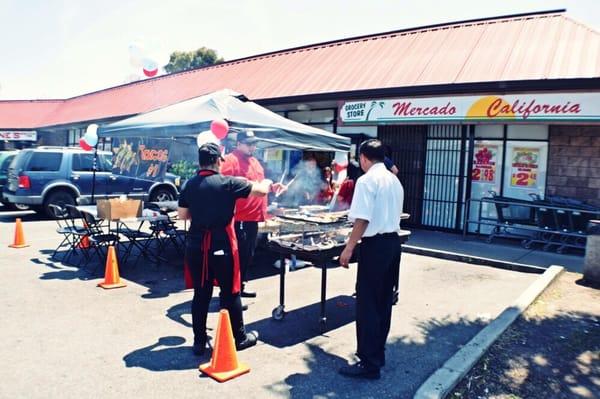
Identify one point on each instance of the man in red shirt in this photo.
(248, 211)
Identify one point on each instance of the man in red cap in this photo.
(248, 211)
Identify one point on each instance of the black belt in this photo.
(381, 235)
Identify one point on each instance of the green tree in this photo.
(184, 60)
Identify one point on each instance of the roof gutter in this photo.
(502, 87)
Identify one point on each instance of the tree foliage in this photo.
(185, 60)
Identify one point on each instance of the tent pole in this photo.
(94, 167)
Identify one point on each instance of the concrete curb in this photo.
(441, 382)
(476, 260)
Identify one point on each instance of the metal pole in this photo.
(94, 167)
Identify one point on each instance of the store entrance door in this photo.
(433, 171)
(407, 150)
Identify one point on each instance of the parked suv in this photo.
(6, 158)
(64, 175)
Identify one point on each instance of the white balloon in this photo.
(91, 135)
(149, 64)
(136, 55)
(207, 137)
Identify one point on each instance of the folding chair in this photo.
(166, 231)
(70, 232)
(138, 239)
(98, 239)
(74, 223)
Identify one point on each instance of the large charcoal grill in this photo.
(314, 236)
(317, 247)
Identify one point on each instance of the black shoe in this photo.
(199, 347)
(251, 338)
(360, 370)
(248, 294)
(244, 308)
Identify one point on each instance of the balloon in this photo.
(150, 74)
(136, 55)
(150, 67)
(91, 135)
(220, 128)
(207, 137)
(84, 145)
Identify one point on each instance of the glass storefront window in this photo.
(525, 169)
(527, 132)
(485, 177)
(489, 132)
(312, 117)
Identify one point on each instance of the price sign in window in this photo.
(524, 167)
(485, 160)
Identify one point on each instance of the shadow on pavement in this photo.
(165, 355)
(302, 324)
(161, 280)
(176, 312)
(408, 363)
(26, 216)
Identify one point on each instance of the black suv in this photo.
(64, 175)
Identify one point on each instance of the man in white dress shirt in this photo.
(375, 211)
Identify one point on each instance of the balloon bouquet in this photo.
(139, 59)
(90, 138)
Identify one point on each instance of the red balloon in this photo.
(219, 127)
(150, 73)
(84, 145)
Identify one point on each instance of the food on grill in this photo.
(319, 218)
(314, 241)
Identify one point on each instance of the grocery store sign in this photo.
(514, 107)
(30, 135)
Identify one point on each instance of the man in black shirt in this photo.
(211, 255)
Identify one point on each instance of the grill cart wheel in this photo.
(278, 313)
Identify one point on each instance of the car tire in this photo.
(161, 195)
(60, 198)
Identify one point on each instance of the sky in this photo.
(65, 48)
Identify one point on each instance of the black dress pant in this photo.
(246, 233)
(221, 268)
(379, 259)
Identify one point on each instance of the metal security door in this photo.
(407, 150)
(444, 177)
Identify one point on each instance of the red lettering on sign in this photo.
(153, 155)
(499, 106)
(406, 109)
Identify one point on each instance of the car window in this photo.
(105, 163)
(83, 162)
(45, 162)
(6, 162)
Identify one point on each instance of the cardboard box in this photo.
(115, 209)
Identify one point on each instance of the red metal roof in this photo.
(526, 47)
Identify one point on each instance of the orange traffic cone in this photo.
(111, 274)
(19, 241)
(84, 243)
(224, 364)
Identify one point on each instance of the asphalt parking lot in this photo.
(63, 337)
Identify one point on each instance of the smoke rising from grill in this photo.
(307, 183)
